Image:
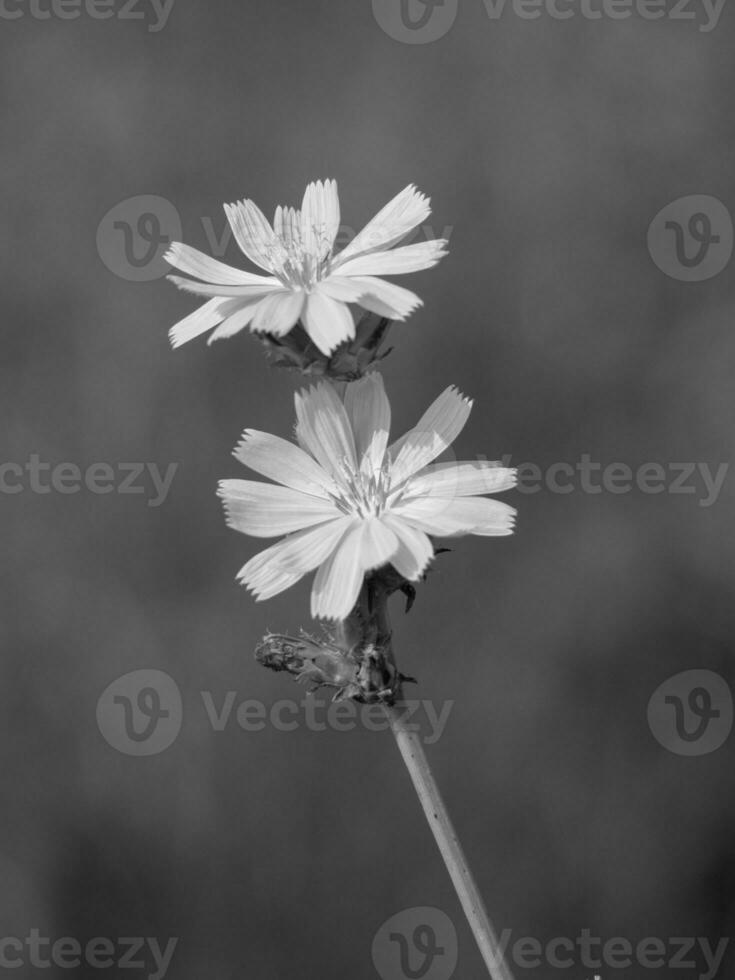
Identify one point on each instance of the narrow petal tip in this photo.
(171, 253)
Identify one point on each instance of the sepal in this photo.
(297, 352)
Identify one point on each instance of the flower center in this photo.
(362, 493)
(298, 263)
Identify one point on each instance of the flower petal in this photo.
(437, 429)
(262, 288)
(287, 225)
(202, 319)
(415, 550)
(390, 225)
(327, 321)
(195, 263)
(282, 461)
(339, 579)
(284, 563)
(265, 511)
(242, 312)
(451, 516)
(320, 218)
(342, 289)
(385, 298)
(323, 429)
(461, 479)
(279, 312)
(368, 410)
(255, 236)
(397, 261)
(377, 543)
(366, 545)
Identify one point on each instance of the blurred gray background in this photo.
(548, 147)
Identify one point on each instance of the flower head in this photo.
(348, 502)
(306, 281)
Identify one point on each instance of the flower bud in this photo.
(298, 352)
(314, 663)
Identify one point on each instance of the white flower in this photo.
(348, 502)
(306, 280)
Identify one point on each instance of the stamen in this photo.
(362, 494)
(296, 265)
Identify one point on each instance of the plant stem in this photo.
(445, 835)
(368, 631)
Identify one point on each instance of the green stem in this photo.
(368, 636)
(445, 835)
(376, 630)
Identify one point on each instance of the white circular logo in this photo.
(418, 942)
(140, 713)
(691, 713)
(415, 21)
(692, 239)
(134, 235)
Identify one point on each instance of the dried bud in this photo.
(365, 673)
(317, 664)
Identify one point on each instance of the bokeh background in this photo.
(547, 147)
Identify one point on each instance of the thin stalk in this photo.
(445, 835)
(360, 661)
